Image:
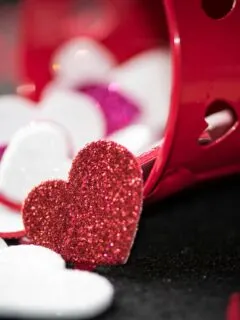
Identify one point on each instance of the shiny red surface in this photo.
(206, 67)
(45, 25)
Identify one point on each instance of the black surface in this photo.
(185, 261)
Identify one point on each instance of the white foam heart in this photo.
(15, 112)
(11, 223)
(37, 152)
(81, 61)
(2, 244)
(31, 257)
(67, 294)
(76, 112)
(146, 79)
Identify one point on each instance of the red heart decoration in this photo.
(93, 217)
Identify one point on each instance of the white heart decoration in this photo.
(81, 61)
(146, 79)
(31, 257)
(34, 283)
(37, 152)
(15, 112)
(78, 113)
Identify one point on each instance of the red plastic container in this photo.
(205, 51)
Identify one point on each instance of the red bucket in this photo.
(205, 58)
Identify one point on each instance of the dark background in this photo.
(185, 262)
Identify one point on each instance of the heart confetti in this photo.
(81, 61)
(37, 152)
(15, 112)
(146, 80)
(31, 257)
(93, 217)
(78, 114)
(67, 294)
(35, 284)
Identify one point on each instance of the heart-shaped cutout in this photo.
(76, 113)
(35, 284)
(81, 61)
(93, 217)
(31, 257)
(146, 80)
(63, 294)
(37, 152)
(15, 112)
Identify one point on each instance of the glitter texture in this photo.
(119, 111)
(44, 214)
(93, 218)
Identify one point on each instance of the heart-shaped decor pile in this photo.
(93, 217)
(76, 113)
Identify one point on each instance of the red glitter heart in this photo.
(93, 217)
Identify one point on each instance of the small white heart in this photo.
(34, 282)
(146, 79)
(81, 61)
(77, 113)
(31, 257)
(37, 152)
(15, 112)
